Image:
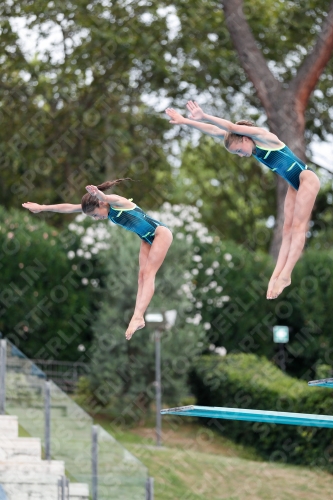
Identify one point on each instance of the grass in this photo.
(196, 463)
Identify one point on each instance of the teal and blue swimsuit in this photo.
(135, 220)
(282, 161)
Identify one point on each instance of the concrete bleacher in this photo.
(120, 474)
(23, 473)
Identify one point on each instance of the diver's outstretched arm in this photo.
(62, 208)
(205, 128)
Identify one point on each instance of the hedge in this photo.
(250, 381)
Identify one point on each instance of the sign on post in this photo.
(281, 334)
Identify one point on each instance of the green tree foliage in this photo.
(229, 286)
(75, 112)
(248, 381)
(229, 293)
(309, 314)
(46, 299)
(84, 119)
(207, 60)
(235, 200)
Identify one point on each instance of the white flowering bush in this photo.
(184, 221)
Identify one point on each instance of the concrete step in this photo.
(42, 472)
(31, 491)
(8, 426)
(20, 449)
(78, 491)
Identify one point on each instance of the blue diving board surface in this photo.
(324, 382)
(270, 417)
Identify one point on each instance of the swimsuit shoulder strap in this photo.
(121, 210)
(271, 149)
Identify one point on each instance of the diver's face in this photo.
(99, 213)
(243, 147)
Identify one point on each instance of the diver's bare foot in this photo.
(270, 287)
(135, 324)
(279, 285)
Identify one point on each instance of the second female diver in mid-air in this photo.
(245, 139)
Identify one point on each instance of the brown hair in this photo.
(89, 202)
(231, 137)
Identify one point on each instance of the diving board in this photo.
(324, 382)
(270, 417)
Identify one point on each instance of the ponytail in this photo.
(231, 137)
(109, 184)
(249, 123)
(89, 203)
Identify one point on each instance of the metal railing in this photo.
(67, 433)
(150, 488)
(65, 374)
(63, 488)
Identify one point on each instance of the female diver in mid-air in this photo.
(245, 139)
(156, 237)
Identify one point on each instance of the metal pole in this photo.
(150, 488)
(63, 497)
(282, 357)
(66, 481)
(158, 388)
(94, 461)
(63, 488)
(47, 406)
(3, 358)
